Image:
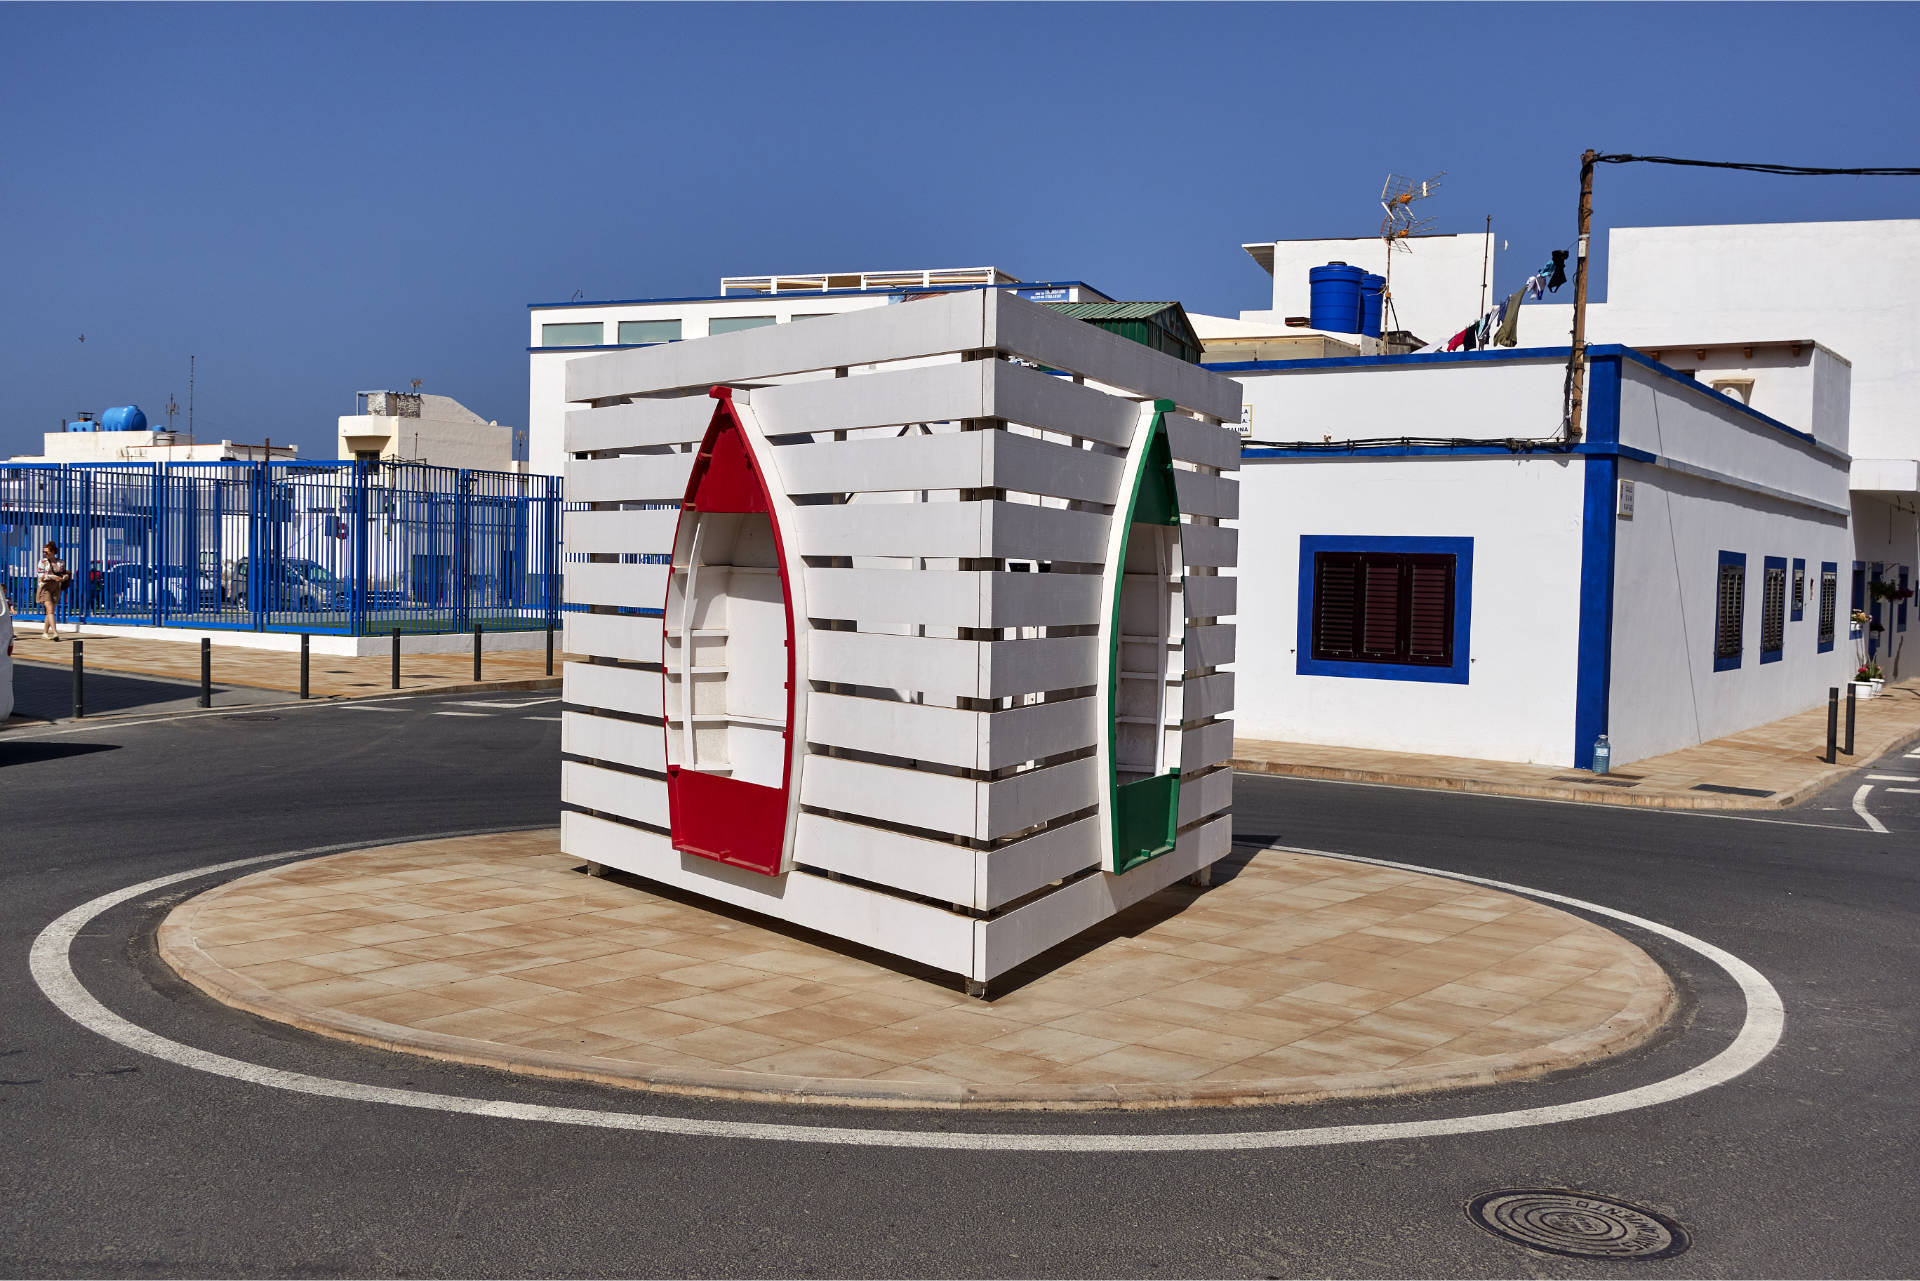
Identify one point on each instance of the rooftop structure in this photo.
(415, 427)
(825, 282)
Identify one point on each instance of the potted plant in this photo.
(1869, 679)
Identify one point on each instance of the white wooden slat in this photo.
(1005, 941)
(1203, 444)
(633, 690)
(942, 939)
(928, 327)
(948, 735)
(945, 802)
(631, 638)
(949, 460)
(593, 583)
(1018, 869)
(630, 478)
(1210, 545)
(611, 792)
(1005, 530)
(888, 398)
(937, 869)
(626, 532)
(671, 420)
(1204, 697)
(951, 668)
(1199, 494)
(1055, 403)
(1205, 745)
(1205, 795)
(1208, 645)
(1210, 595)
(606, 738)
(1038, 333)
(953, 598)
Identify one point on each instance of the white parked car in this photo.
(6, 659)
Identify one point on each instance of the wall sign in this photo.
(1626, 500)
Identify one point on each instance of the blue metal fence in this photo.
(349, 547)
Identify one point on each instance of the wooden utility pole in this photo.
(1577, 366)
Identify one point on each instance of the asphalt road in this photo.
(44, 691)
(120, 1164)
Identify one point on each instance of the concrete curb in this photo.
(1650, 1005)
(1866, 750)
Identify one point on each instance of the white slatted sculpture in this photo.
(905, 625)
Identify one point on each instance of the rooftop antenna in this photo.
(172, 409)
(416, 386)
(1402, 222)
(190, 363)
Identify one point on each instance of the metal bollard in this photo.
(79, 680)
(304, 651)
(1833, 724)
(396, 658)
(1850, 695)
(206, 671)
(476, 654)
(549, 649)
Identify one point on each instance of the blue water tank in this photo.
(123, 418)
(1372, 290)
(1334, 298)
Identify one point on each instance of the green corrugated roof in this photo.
(1170, 317)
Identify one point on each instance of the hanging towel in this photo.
(1509, 332)
(1536, 286)
(1453, 343)
(1470, 337)
(1558, 276)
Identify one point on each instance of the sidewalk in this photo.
(329, 676)
(1296, 978)
(1768, 767)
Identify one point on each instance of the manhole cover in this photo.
(1578, 1224)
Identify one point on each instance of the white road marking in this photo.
(1894, 778)
(1765, 1022)
(459, 713)
(1909, 791)
(1860, 808)
(533, 702)
(555, 718)
(369, 707)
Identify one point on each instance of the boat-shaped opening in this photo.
(725, 658)
(1148, 667)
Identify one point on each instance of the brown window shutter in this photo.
(1336, 605)
(1381, 608)
(1430, 610)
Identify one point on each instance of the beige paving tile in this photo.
(726, 1044)
(977, 1063)
(1053, 1044)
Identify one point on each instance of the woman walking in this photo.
(53, 579)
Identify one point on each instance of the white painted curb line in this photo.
(1761, 1032)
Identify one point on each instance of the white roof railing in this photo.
(949, 277)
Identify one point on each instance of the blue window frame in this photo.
(1829, 604)
(1900, 610)
(1797, 589)
(1773, 608)
(1729, 611)
(1419, 569)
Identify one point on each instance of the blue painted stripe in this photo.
(1457, 673)
(1593, 666)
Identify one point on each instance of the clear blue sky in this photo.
(320, 199)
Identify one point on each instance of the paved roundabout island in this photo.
(1295, 978)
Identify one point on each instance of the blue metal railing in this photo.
(346, 547)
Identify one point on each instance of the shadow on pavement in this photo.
(35, 752)
(45, 691)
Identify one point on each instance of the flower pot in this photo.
(1878, 683)
(1861, 689)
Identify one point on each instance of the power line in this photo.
(1812, 171)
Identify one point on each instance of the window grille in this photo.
(1829, 598)
(1773, 611)
(1732, 603)
(1799, 590)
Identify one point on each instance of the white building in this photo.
(399, 426)
(121, 435)
(557, 332)
(1751, 438)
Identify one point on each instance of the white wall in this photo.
(1665, 692)
(1435, 282)
(1524, 515)
(1888, 533)
(1468, 399)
